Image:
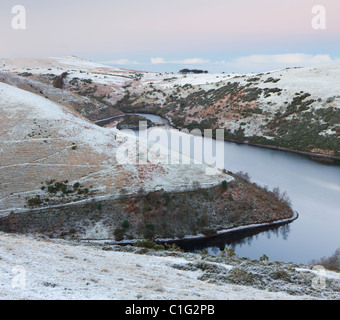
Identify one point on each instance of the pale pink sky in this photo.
(138, 30)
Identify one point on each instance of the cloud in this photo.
(194, 61)
(158, 61)
(263, 63)
(288, 59)
(251, 63)
(184, 61)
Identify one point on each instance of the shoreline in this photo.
(318, 157)
(323, 158)
(199, 237)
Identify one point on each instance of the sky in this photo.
(160, 35)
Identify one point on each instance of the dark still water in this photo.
(313, 187)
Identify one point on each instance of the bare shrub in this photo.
(243, 175)
(282, 196)
(330, 263)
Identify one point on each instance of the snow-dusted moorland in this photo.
(42, 140)
(47, 134)
(44, 269)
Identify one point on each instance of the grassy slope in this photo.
(296, 109)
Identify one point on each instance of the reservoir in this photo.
(313, 188)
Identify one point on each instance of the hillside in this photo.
(42, 141)
(44, 77)
(65, 176)
(59, 270)
(295, 109)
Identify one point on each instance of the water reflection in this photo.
(314, 189)
(234, 240)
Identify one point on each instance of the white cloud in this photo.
(194, 61)
(264, 63)
(298, 59)
(158, 61)
(184, 61)
(251, 63)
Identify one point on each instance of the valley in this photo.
(73, 170)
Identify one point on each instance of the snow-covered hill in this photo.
(55, 160)
(56, 270)
(47, 136)
(56, 65)
(42, 141)
(296, 109)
